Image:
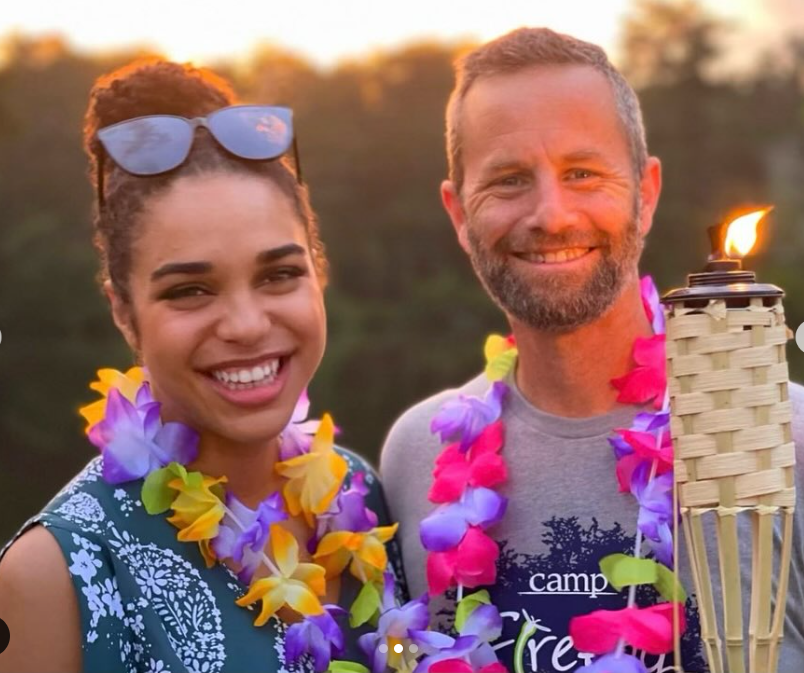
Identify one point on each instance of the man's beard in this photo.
(555, 303)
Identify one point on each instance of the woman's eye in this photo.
(184, 292)
(282, 275)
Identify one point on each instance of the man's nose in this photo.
(553, 206)
(245, 319)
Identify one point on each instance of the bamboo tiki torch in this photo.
(734, 454)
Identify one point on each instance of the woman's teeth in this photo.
(243, 379)
(565, 255)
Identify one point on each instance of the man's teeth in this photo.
(556, 257)
(248, 378)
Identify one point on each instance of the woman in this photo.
(214, 271)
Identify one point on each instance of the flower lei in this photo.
(462, 555)
(125, 425)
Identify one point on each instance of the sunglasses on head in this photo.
(157, 144)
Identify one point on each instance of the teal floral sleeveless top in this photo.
(148, 602)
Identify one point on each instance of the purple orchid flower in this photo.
(319, 636)
(395, 622)
(298, 434)
(347, 511)
(643, 422)
(655, 510)
(615, 663)
(243, 532)
(134, 441)
(446, 526)
(473, 644)
(466, 417)
(650, 297)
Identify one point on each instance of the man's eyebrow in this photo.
(199, 268)
(582, 155)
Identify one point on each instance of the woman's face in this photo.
(229, 310)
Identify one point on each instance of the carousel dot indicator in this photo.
(800, 337)
(413, 648)
(398, 648)
(383, 648)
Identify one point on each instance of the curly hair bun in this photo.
(152, 86)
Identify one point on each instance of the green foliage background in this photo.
(406, 315)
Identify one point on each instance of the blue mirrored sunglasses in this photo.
(156, 144)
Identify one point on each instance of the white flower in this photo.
(92, 636)
(84, 565)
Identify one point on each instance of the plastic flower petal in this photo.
(314, 478)
(652, 305)
(615, 663)
(645, 445)
(472, 563)
(648, 380)
(366, 552)
(297, 436)
(319, 636)
(133, 440)
(655, 510)
(649, 629)
(127, 384)
(395, 623)
(347, 511)
(481, 466)
(446, 526)
(198, 510)
(466, 417)
(297, 585)
(464, 653)
(244, 532)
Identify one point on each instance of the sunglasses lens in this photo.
(253, 131)
(148, 146)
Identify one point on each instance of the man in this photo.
(551, 193)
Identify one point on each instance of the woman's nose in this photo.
(245, 320)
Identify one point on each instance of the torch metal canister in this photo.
(734, 454)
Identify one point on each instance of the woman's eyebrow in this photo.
(198, 268)
(268, 256)
(184, 268)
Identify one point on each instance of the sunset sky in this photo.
(328, 31)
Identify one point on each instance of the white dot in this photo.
(413, 648)
(800, 337)
(383, 648)
(398, 648)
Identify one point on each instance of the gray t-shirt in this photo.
(564, 514)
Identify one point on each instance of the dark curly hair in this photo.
(155, 86)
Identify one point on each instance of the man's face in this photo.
(550, 211)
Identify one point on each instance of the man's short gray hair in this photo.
(528, 47)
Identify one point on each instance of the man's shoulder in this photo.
(411, 431)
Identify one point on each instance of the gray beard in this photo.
(554, 305)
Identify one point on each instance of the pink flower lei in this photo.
(461, 553)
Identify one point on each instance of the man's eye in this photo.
(510, 181)
(580, 174)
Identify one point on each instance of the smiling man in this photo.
(551, 193)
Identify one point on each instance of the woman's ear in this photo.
(123, 317)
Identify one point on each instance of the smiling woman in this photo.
(214, 272)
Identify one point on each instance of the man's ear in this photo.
(452, 204)
(122, 315)
(650, 186)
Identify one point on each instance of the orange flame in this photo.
(741, 233)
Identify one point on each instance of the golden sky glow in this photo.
(327, 31)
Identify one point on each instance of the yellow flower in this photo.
(500, 353)
(314, 478)
(198, 509)
(297, 584)
(366, 551)
(127, 384)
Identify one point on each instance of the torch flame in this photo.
(741, 234)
